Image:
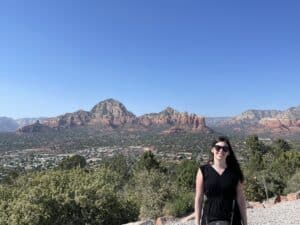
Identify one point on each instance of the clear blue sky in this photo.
(213, 58)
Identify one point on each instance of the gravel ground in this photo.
(279, 214)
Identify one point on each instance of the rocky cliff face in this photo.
(37, 127)
(78, 118)
(28, 121)
(251, 117)
(177, 120)
(113, 114)
(281, 125)
(108, 113)
(11, 125)
(292, 113)
(215, 121)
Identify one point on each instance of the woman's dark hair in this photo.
(231, 160)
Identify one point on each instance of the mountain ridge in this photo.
(111, 114)
(260, 121)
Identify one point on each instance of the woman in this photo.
(221, 183)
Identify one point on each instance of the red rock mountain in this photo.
(113, 114)
(288, 121)
(37, 127)
(274, 121)
(108, 113)
(177, 120)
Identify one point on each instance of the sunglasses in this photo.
(218, 148)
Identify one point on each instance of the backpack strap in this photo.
(232, 212)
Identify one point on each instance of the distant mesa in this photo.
(178, 120)
(69, 120)
(11, 125)
(27, 121)
(261, 121)
(37, 127)
(215, 121)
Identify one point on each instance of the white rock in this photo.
(144, 222)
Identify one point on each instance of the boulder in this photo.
(283, 198)
(256, 205)
(293, 196)
(187, 218)
(143, 222)
(274, 200)
(164, 220)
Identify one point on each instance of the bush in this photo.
(149, 190)
(275, 184)
(279, 146)
(276, 163)
(66, 197)
(293, 184)
(120, 164)
(186, 173)
(285, 165)
(147, 161)
(181, 204)
(75, 161)
(253, 189)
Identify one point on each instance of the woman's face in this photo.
(220, 150)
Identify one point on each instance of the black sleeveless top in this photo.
(220, 191)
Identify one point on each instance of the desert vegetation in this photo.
(123, 189)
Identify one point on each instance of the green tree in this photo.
(150, 190)
(256, 151)
(9, 175)
(285, 164)
(186, 174)
(147, 161)
(75, 161)
(120, 164)
(253, 188)
(279, 169)
(279, 146)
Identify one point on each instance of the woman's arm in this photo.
(242, 203)
(198, 197)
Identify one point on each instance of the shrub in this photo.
(180, 205)
(253, 189)
(75, 161)
(293, 184)
(66, 197)
(147, 162)
(150, 191)
(186, 174)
